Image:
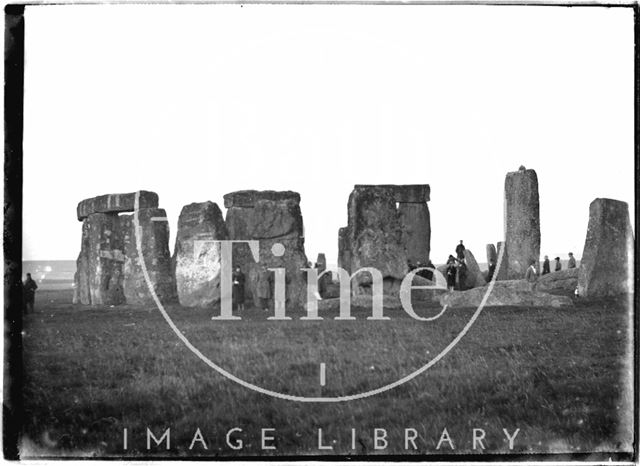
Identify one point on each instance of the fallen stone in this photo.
(562, 280)
(522, 222)
(196, 259)
(115, 203)
(606, 267)
(505, 293)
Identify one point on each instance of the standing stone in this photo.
(501, 268)
(492, 254)
(157, 258)
(375, 237)
(325, 280)
(344, 250)
(606, 267)
(196, 259)
(270, 217)
(416, 231)
(99, 273)
(474, 274)
(522, 221)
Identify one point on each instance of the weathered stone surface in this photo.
(492, 254)
(606, 267)
(375, 238)
(114, 203)
(418, 193)
(562, 280)
(156, 255)
(344, 249)
(503, 266)
(474, 275)
(272, 218)
(249, 198)
(416, 231)
(504, 293)
(196, 260)
(522, 221)
(99, 273)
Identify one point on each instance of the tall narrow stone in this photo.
(522, 221)
(606, 267)
(196, 257)
(492, 254)
(271, 218)
(344, 250)
(154, 241)
(502, 266)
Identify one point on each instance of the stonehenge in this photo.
(109, 270)
(125, 257)
(522, 222)
(388, 226)
(606, 268)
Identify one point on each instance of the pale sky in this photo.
(194, 101)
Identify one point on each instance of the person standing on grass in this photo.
(451, 273)
(238, 288)
(531, 275)
(558, 264)
(572, 261)
(546, 266)
(29, 286)
(263, 288)
(460, 251)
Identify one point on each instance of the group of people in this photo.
(457, 269)
(546, 265)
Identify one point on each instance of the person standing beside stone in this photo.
(263, 288)
(531, 275)
(238, 288)
(29, 287)
(460, 250)
(558, 264)
(546, 266)
(572, 261)
(451, 273)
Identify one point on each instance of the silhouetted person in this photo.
(572, 261)
(492, 270)
(238, 288)
(558, 264)
(29, 287)
(546, 267)
(451, 272)
(460, 250)
(462, 275)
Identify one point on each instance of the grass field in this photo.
(560, 376)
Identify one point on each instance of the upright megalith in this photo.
(522, 221)
(474, 276)
(197, 254)
(108, 270)
(606, 267)
(492, 254)
(502, 266)
(153, 227)
(99, 268)
(375, 238)
(344, 250)
(272, 218)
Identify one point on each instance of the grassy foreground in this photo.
(563, 377)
